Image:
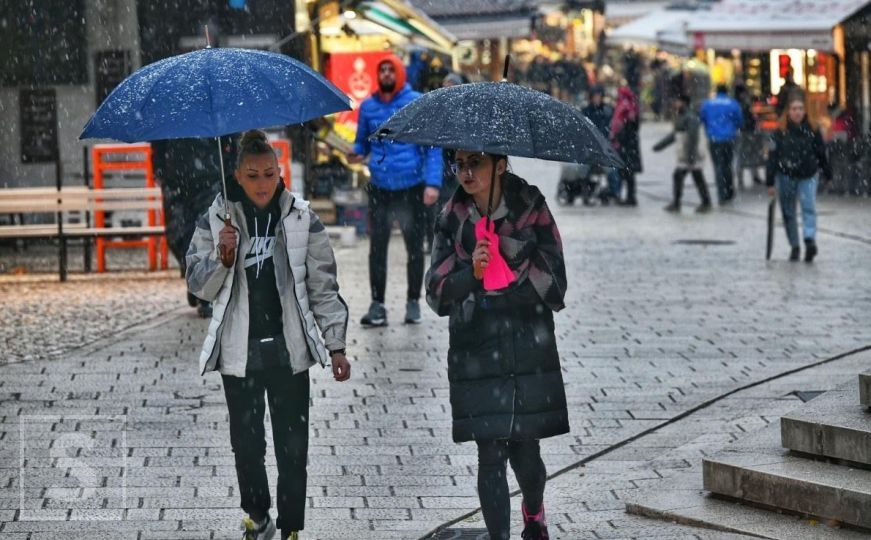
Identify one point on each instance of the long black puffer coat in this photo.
(503, 364)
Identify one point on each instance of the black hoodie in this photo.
(264, 304)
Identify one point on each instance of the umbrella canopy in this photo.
(500, 118)
(213, 92)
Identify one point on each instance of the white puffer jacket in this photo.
(308, 270)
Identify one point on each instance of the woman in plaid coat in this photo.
(506, 388)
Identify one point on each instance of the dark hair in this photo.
(722, 89)
(684, 98)
(253, 143)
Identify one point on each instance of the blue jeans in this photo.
(614, 183)
(806, 190)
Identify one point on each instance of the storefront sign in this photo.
(356, 74)
(38, 110)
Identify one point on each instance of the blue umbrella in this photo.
(213, 92)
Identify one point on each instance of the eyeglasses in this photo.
(458, 167)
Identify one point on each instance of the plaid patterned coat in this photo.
(503, 364)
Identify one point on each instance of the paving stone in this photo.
(651, 329)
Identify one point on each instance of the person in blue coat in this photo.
(405, 179)
(722, 118)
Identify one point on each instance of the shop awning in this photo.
(402, 18)
(662, 28)
(482, 19)
(476, 29)
(762, 25)
(622, 13)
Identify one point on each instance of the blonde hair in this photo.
(253, 143)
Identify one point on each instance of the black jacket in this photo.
(798, 152)
(600, 116)
(503, 363)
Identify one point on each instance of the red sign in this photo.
(698, 41)
(356, 74)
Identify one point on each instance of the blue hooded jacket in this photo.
(395, 165)
(722, 118)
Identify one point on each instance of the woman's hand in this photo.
(772, 191)
(481, 254)
(430, 195)
(227, 245)
(341, 367)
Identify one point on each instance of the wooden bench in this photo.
(79, 212)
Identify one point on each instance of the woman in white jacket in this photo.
(272, 277)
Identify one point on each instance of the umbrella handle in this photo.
(225, 253)
(479, 270)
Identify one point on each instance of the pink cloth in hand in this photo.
(497, 274)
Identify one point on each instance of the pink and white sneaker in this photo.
(534, 525)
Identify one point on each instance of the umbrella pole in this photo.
(490, 196)
(223, 182)
(479, 272)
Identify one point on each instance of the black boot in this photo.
(810, 250)
(795, 254)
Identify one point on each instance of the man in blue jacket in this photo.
(722, 118)
(405, 180)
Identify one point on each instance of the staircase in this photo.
(819, 464)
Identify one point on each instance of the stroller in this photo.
(580, 180)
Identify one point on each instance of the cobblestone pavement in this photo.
(653, 329)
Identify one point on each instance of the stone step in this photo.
(759, 471)
(832, 425)
(865, 389)
(682, 503)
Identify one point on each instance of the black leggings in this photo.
(405, 206)
(698, 179)
(525, 458)
(288, 396)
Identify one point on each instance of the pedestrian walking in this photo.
(189, 175)
(788, 92)
(506, 388)
(722, 118)
(689, 155)
(271, 274)
(600, 113)
(796, 156)
(406, 178)
(750, 143)
(624, 136)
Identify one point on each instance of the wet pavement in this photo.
(666, 314)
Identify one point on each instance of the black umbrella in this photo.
(769, 239)
(500, 118)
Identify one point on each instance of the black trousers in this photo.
(405, 206)
(723, 156)
(288, 397)
(698, 179)
(525, 458)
